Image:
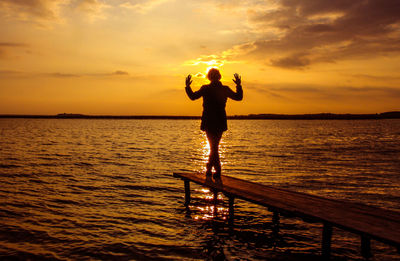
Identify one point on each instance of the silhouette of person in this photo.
(213, 119)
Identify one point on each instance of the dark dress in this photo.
(214, 96)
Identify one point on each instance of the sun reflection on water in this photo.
(207, 208)
(210, 212)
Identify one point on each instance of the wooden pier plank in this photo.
(380, 224)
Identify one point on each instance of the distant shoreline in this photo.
(318, 116)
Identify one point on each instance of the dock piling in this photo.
(326, 241)
(275, 218)
(366, 247)
(187, 192)
(275, 224)
(231, 209)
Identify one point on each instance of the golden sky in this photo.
(131, 57)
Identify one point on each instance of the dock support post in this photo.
(275, 227)
(187, 192)
(275, 222)
(231, 209)
(275, 218)
(366, 247)
(326, 241)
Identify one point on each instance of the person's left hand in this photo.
(238, 79)
(188, 80)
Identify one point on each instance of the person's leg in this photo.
(214, 161)
(217, 162)
(211, 155)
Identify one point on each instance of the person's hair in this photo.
(214, 75)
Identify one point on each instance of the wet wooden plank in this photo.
(379, 224)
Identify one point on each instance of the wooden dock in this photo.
(367, 221)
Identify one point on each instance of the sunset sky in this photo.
(131, 57)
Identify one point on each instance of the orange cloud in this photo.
(142, 6)
(41, 11)
(11, 73)
(24, 9)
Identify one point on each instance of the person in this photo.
(213, 119)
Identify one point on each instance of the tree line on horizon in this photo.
(325, 116)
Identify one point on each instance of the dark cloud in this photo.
(11, 44)
(6, 46)
(118, 72)
(326, 31)
(8, 73)
(21, 74)
(166, 92)
(265, 89)
(70, 75)
(114, 73)
(311, 92)
(374, 90)
(293, 61)
(374, 77)
(297, 88)
(62, 75)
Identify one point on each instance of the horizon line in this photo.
(323, 115)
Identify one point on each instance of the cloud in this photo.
(372, 91)
(5, 48)
(42, 11)
(290, 91)
(374, 77)
(209, 60)
(309, 32)
(292, 61)
(105, 74)
(11, 44)
(118, 72)
(22, 74)
(142, 6)
(27, 9)
(166, 92)
(9, 73)
(264, 89)
(93, 9)
(114, 73)
(62, 75)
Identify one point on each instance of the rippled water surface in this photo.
(103, 189)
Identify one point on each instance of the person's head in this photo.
(214, 75)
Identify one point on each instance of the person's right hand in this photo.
(188, 80)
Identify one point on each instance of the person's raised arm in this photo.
(192, 95)
(238, 95)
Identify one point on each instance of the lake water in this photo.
(103, 189)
